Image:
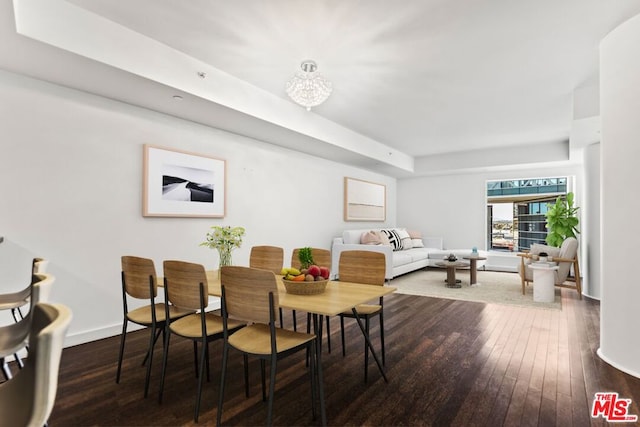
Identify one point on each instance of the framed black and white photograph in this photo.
(182, 184)
(364, 200)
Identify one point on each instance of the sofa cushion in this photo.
(394, 239)
(419, 254)
(402, 258)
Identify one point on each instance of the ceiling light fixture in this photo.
(309, 88)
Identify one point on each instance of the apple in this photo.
(314, 270)
(324, 272)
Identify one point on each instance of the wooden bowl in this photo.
(305, 288)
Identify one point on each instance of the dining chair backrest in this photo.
(41, 287)
(136, 272)
(28, 398)
(321, 257)
(246, 292)
(39, 265)
(183, 281)
(267, 258)
(362, 267)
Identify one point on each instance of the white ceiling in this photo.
(416, 78)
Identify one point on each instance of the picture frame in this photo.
(364, 200)
(183, 184)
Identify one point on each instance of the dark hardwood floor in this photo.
(448, 362)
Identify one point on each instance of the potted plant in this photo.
(562, 220)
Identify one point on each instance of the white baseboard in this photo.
(83, 337)
(97, 334)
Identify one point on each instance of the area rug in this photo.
(493, 287)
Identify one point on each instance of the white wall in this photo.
(71, 173)
(620, 103)
(455, 206)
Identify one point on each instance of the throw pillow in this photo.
(370, 238)
(415, 234)
(417, 243)
(407, 243)
(402, 233)
(551, 251)
(384, 240)
(394, 239)
(404, 238)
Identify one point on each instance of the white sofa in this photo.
(398, 262)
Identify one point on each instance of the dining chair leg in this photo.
(308, 331)
(264, 380)
(382, 338)
(206, 359)
(223, 374)
(366, 351)
(314, 385)
(368, 341)
(152, 340)
(317, 328)
(195, 356)
(281, 316)
(165, 356)
(245, 363)
(15, 316)
(342, 335)
(328, 336)
(203, 355)
(123, 336)
(18, 360)
(295, 321)
(272, 389)
(5, 369)
(146, 356)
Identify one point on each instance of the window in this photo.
(516, 211)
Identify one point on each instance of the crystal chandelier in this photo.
(309, 88)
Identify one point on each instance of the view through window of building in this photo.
(516, 211)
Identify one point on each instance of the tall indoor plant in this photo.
(562, 220)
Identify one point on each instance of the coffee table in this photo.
(451, 272)
(473, 268)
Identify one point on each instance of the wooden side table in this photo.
(451, 272)
(473, 268)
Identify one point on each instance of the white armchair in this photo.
(565, 257)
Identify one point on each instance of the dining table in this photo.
(338, 297)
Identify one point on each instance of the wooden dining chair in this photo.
(252, 295)
(267, 258)
(368, 268)
(139, 282)
(186, 288)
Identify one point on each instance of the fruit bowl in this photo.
(305, 288)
